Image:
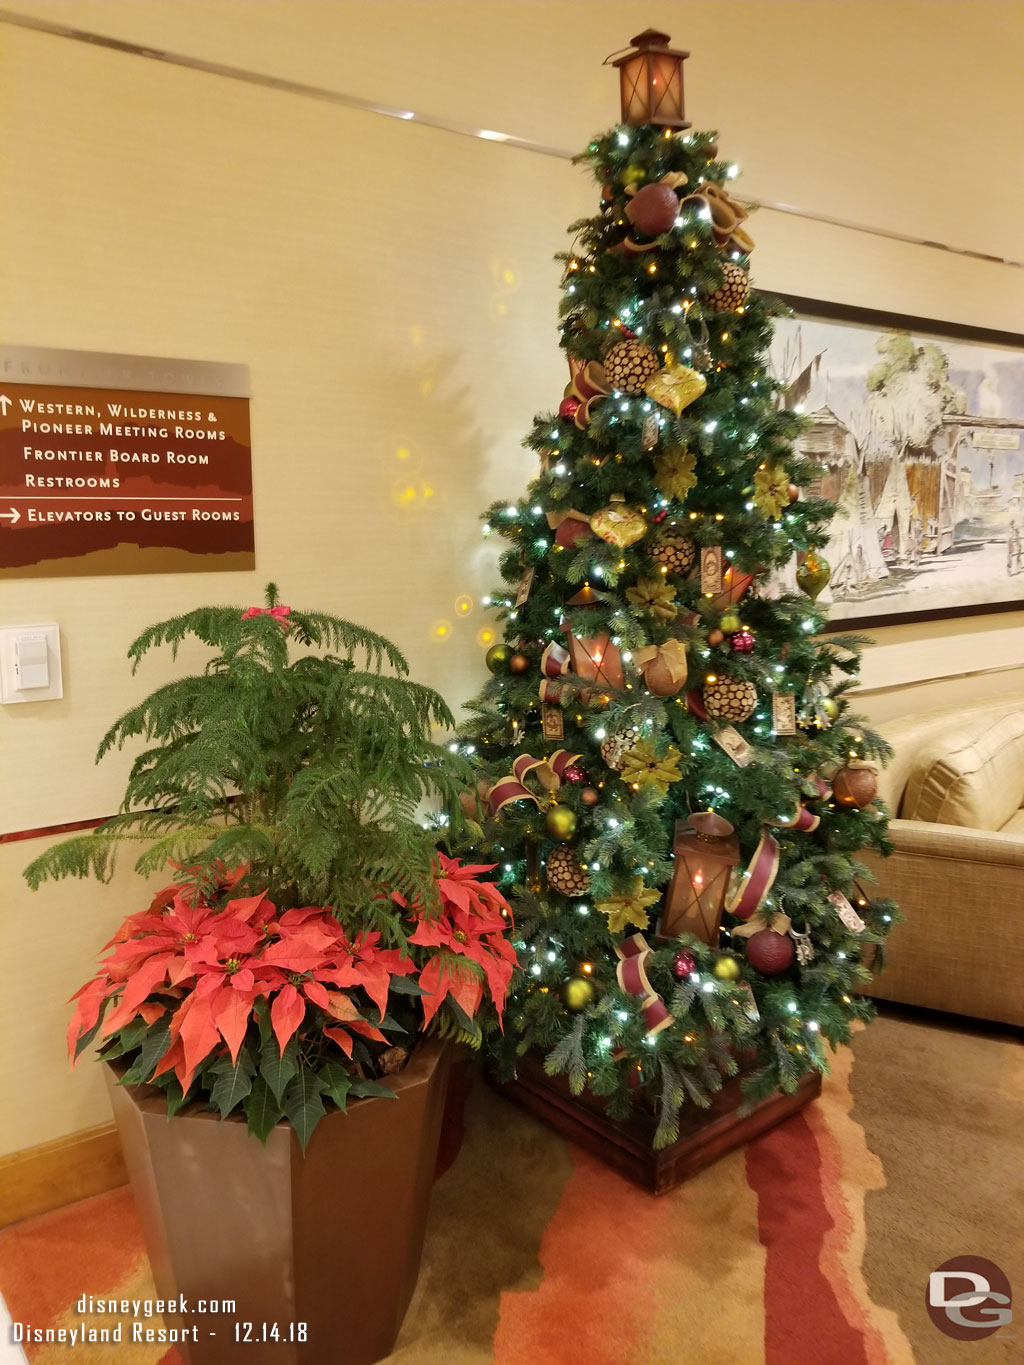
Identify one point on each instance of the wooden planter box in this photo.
(331, 1240)
(704, 1134)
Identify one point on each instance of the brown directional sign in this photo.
(150, 472)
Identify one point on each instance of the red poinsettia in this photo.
(205, 968)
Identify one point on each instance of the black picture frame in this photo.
(929, 329)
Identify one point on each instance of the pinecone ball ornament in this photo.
(733, 292)
(672, 550)
(629, 365)
(616, 746)
(565, 873)
(729, 698)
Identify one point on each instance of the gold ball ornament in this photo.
(615, 747)
(565, 873)
(672, 550)
(730, 698)
(629, 365)
(632, 173)
(813, 574)
(734, 291)
(854, 787)
(560, 822)
(577, 993)
(727, 969)
(730, 622)
(497, 658)
(831, 708)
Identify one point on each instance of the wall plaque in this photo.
(122, 464)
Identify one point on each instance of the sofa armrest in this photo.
(957, 842)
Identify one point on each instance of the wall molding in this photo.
(319, 92)
(61, 1172)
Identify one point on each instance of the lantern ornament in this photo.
(597, 659)
(706, 850)
(651, 77)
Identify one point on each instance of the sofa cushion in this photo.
(1015, 824)
(968, 777)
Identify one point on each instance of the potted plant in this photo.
(283, 982)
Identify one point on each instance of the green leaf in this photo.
(405, 985)
(175, 1096)
(230, 1088)
(335, 1082)
(262, 1109)
(360, 1090)
(277, 1069)
(303, 1105)
(156, 1043)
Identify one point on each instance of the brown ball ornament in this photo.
(590, 796)
(734, 291)
(770, 953)
(730, 699)
(715, 638)
(572, 532)
(560, 822)
(672, 550)
(615, 747)
(519, 663)
(629, 365)
(793, 493)
(565, 873)
(854, 788)
(653, 209)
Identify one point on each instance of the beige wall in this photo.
(391, 288)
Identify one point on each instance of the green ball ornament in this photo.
(730, 622)
(497, 658)
(561, 823)
(727, 969)
(632, 174)
(577, 994)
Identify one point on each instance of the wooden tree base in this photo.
(704, 1134)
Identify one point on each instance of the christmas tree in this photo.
(671, 778)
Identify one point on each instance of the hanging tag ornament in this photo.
(650, 432)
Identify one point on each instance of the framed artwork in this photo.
(919, 426)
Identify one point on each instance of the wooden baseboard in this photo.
(57, 1173)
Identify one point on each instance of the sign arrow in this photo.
(5, 403)
(13, 516)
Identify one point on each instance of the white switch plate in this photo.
(12, 687)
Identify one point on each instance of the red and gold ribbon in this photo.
(631, 975)
(757, 880)
(513, 788)
(588, 384)
(554, 664)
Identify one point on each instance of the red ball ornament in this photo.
(770, 953)
(682, 965)
(574, 773)
(569, 407)
(572, 532)
(653, 209)
(743, 642)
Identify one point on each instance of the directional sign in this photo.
(141, 476)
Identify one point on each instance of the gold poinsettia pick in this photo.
(629, 907)
(674, 473)
(771, 490)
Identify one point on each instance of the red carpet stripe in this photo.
(804, 1322)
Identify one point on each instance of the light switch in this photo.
(30, 668)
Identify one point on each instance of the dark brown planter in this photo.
(332, 1240)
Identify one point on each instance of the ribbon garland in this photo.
(511, 787)
(631, 975)
(279, 614)
(588, 384)
(554, 664)
(759, 877)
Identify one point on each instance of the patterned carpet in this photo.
(811, 1247)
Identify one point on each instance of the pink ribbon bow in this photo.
(279, 613)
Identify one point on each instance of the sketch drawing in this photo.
(922, 441)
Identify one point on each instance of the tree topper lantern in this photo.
(706, 850)
(651, 82)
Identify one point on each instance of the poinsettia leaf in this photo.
(84, 1041)
(132, 1034)
(231, 1016)
(134, 1075)
(197, 1033)
(278, 1068)
(230, 1089)
(263, 1109)
(335, 1082)
(287, 1013)
(303, 1104)
(365, 1090)
(343, 1039)
(405, 985)
(154, 1045)
(390, 1025)
(87, 1016)
(175, 1096)
(464, 1021)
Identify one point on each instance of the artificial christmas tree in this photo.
(671, 676)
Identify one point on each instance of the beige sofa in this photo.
(956, 786)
